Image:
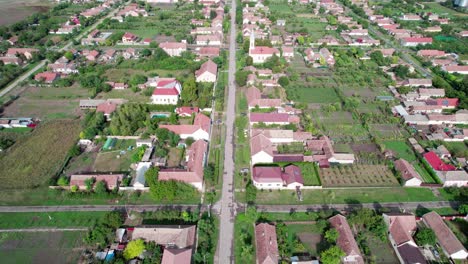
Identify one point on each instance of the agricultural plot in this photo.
(358, 175)
(388, 131)
(341, 127)
(33, 160)
(41, 247)
(309, 236)
(47, 103)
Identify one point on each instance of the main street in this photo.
(42, 63)
(224, 251)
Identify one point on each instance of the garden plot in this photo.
(341, 127)
(358, 175)
(388, 131)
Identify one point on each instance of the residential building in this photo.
(112, 181)
(193, 173)
(415, 41)
(266, 244)
(207, 72)
(408, 173)
(199, 130)
(173, 48)
(268, 177)
(261, 53)
(346, 240)
(107, 108)
(167, 90)
(451, 246)
(461, 69)
(129, 38)
(254, 99)
(46, 77)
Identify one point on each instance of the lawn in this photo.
(350, 196)
(41, 247)
(174, 157)
(381, 251)
(358, 175)
(113, 161)
(457, 149)
(402, 149)
(439, 9)
(309, 236)
(51, 219)
(427, 178)
(243, 235)
(315, 95)
(34, 160)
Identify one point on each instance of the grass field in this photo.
(32, 161)
(48, 102)
(52, 219)
(350, 196)
(439, 9)
(358, 175)
(15, 11)
(402, 149)
(314, 95)
(381, 251)
(458, 149)
(243, 226)
(41, 247)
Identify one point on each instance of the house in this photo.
(63, 67)
(261, 53)
(112, 181)
(209, 52)
(288, 52)
(129, 38)
(415, 41)
(461, 69)
(167, 91)
(323, 153)
(144, 142)
(454, 178)
(411, 17)
(433, 29)
(408, 173)
(431, 53)
(436, 163)
(387, 52)
(207, 72)
(26, 52)
(91, 55)
(11, 60)
(451, 246)
(281, 136)
(261, 149)
(193, 174)
(418, 82)
(108, 55)
(129, 53)
(46, 77)
(209, 40)
(267, 177)
(401, 228)
(118, 86)
(425, 93)
(186, 111)
(176, 237)
(254, 99)
(199, 130)
(265, 244)
(13, 40)
(176, 256)
(107, 108)
(346, 240)
(173, 48)
(272, 118)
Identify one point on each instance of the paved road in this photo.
(224, 252)
(97, 208)
(41, 64)
(42, 230)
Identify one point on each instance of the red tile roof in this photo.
(266, 244)
(436, 163)
(418, 40)
(173, 45)
(456, 68)
(265, 174)
(292, 174)
(111, 180)
(406, 170)
(269, 118)
(47, 77)
(208, 66)
(431, 53)
(209, 51)
(452, 102)
(346, 239)
(107, 108)
(446, 238)
(163, 91)
(176, 256)
(264, 51)
(187, 110)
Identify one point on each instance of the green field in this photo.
(439, 9)
(402, 149)
(41, 247)
(350, 196)
(52, 219)
(314, 95)
(244, 234)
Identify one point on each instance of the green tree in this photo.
(425, 236)
(283, 81)
(89, 184)
(250, 193)
(137, 79)
(332, 255)
(100, 187)
(463, 209)
(189, 91)
(134, 249)
(69, 55)
(113, 220)
(74, 151)
(331, 235)
(241, 77)
(62, 181)
(401, 71)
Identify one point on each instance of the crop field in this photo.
(41, 247)
(388, 131)
(358, 175)
(341, 127)
(50, 219)
(47, 103)
(32, 161)
(15, 11)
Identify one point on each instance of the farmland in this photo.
(51, 219)
(358, 175)
(402, 150)
(14, 11)
(41, 247)
(35, 159)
